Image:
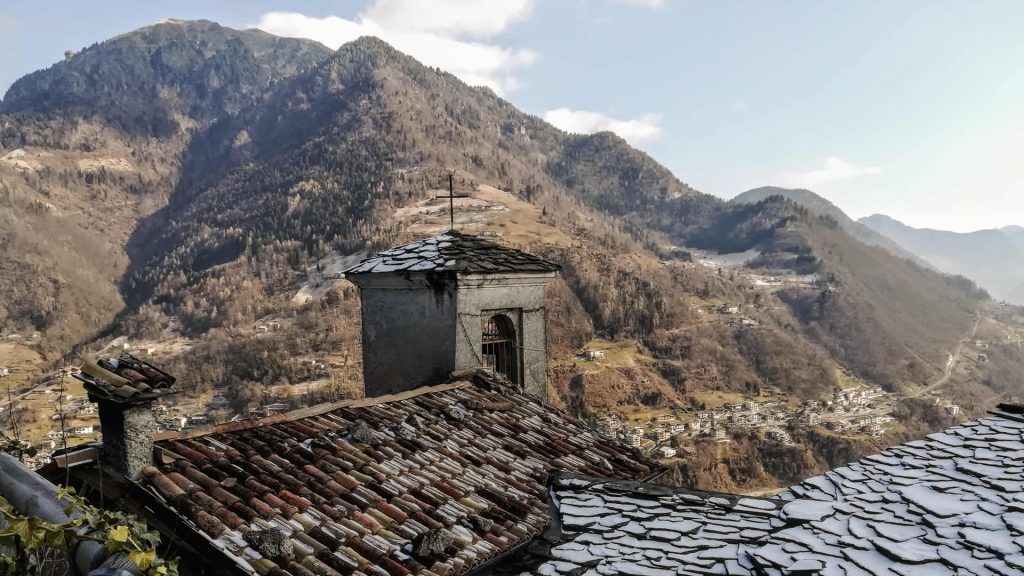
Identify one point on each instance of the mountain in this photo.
(164, 78)
(210, 227)
(1015, 234)
(993, 258)
(92, 145)
(823, 207)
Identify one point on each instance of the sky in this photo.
(914, 109)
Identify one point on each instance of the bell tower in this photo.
(452, 302)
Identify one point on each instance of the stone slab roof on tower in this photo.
(453, 251)
(949, 504)
(436, 480)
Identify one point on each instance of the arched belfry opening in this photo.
(498, 348)
(448, 303)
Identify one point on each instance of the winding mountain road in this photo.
(947, 372)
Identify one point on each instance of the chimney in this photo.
(125, 389)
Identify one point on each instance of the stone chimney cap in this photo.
(125, 380)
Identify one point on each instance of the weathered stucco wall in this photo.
(408, 332)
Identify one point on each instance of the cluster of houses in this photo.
(748, 414)
(779, 435)
(866, 409)
(171, 418)
(175, 419)
(55, 440)
(76, 409)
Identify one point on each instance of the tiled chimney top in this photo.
(125, 380)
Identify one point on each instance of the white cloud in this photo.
(644, 3)
(835, 169)
(470, 18)
(635, 130)
(446, 34)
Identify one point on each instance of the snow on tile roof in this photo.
(453, 252)
(952, 503)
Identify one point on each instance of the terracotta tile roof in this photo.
(436, 481)
(126, 379)
(453, 252)
(952, 503)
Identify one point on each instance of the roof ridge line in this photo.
(310, 411)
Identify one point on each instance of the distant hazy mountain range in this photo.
(992, 258)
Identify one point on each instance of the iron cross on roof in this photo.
(451, 198)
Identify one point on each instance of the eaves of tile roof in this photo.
(949, 504)
(439, 480)
(453, 251)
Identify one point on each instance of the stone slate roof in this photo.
(453, 252)
(616, 527)
(438, 480)
(952, 503)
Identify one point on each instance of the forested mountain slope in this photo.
(818, 205)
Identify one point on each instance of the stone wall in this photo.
(420, 327)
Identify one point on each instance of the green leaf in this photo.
(21, 528)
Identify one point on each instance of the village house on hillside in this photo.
(455, 464)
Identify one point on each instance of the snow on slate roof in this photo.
(453, 252)
(952, 503)
(437, 480)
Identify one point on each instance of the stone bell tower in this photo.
(452, 302)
